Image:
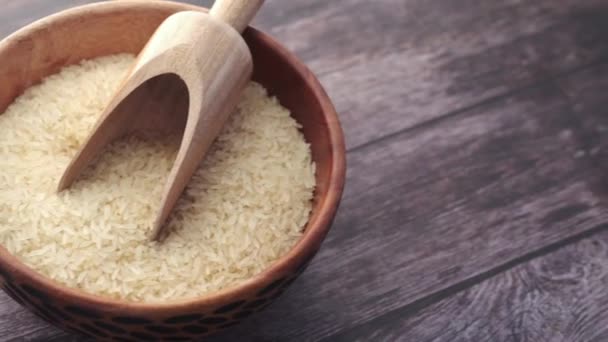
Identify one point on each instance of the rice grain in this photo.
(244, 208)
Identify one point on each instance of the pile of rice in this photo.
(244, 208)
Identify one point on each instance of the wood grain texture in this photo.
(454, 199)
(391, 64)
(560, 296)
(586, 94)
(436, 56)
(238, 13)
(457, 196)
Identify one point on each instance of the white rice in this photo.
(244, 208)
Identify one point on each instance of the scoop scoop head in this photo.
(187, 80)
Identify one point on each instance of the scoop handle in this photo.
(237, 13)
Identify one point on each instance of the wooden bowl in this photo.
(47, 45)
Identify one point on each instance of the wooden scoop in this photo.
(195, 63)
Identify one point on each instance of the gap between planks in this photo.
(410, 309)
(547, 78)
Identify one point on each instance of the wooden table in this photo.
(475, 207)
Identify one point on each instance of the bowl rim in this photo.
(316, 229)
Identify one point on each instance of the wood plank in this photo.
(561, 296)
(586, 92)
(430, 209)
(392, 64)
(389, 65)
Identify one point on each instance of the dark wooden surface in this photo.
(475, 207)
